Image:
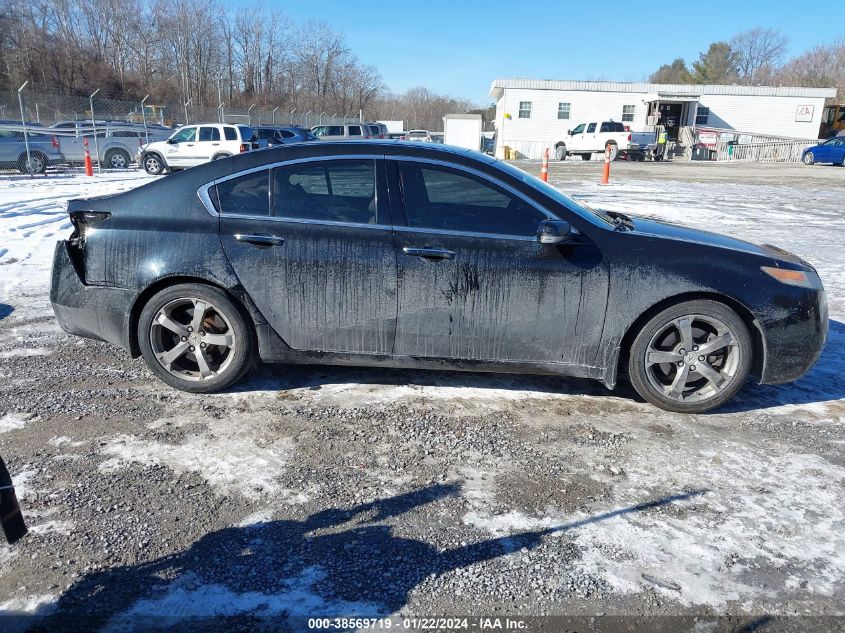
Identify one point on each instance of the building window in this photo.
(702, 115)
(524, 109)
(628, 112)
(563, 110)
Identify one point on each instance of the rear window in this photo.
(375, 129)
(612, 126)
(245, 195)
(417, 134)
(286, 133)
(246, 132)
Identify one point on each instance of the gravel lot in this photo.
(343, 491)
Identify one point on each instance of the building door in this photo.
(670, 117)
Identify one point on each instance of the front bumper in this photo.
(795, 341)
(95, 312)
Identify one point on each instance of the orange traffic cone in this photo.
(89, 168)
(605, 178)
(544, 170)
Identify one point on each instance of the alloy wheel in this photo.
(192, 339)
(118, 160)
(692, 358)
(152, 165)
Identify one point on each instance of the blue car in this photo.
(831, 151)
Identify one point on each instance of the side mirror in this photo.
(569, 132)
(554, 232)
(170, 141)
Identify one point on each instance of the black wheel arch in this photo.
(758, 353)
(237, 295)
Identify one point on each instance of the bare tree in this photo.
(757, 53)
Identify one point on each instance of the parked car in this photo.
(342, 132)
(831, 151)
(284, 135)
(44, 151)
(193, 145)
(499, 271)
(378, 130)
(419, 135)
(117, 144)
(598, 136)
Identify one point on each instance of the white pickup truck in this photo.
(587, 138)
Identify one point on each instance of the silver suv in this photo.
(342, 132)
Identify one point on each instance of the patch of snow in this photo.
(25, 351)
(228, 458)
(186, 598)
(13, 421)
(265, 515)
(53, 527)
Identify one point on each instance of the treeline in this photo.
(758, 56)
(199, 50)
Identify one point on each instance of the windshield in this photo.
(555, 194)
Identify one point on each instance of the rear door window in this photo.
(355, 130)
(333, 191)
(442, 198)
(591, 128)
(245, 195)
(209, 134)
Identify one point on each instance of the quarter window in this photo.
(702, 115)
(524, 109)
(245, 195)
(628, 113)
(441, 198)
(331, 191)
(563, 110)
(355, 130)
(230, 133)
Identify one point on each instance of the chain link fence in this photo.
(47, 109)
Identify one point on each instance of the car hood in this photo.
(677, 232)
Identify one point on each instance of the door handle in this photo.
(429, 253)
(215, 144)
(260, 239)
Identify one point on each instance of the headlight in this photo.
(801, 278)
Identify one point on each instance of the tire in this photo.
(808, 158)
(37, 163)
(154, 164)
(178, 347)
(118, 159)
(614, 151)
(219, 156)
(560, 152)
(586, 156)
(686, 388)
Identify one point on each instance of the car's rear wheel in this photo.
(809, 158)
(153, 164)
(194, 338)
(37, 163)
(691, 357)
(560, 152)
(118, 158)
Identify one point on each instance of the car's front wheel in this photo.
(153, 164)
(809, 158)
(194, 338)
(691, 357)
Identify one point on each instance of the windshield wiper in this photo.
(620, 220)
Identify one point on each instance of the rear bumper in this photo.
(795, 341)
(95, 312)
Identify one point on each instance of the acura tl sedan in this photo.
(418, 255)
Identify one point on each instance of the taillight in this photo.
(244, 147)
(629, 137)
(54, 142)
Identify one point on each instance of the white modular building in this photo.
(533, 114)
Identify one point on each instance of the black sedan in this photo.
(417, 255)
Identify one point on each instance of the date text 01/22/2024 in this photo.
(417, 624)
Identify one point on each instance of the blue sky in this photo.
(459, 47)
